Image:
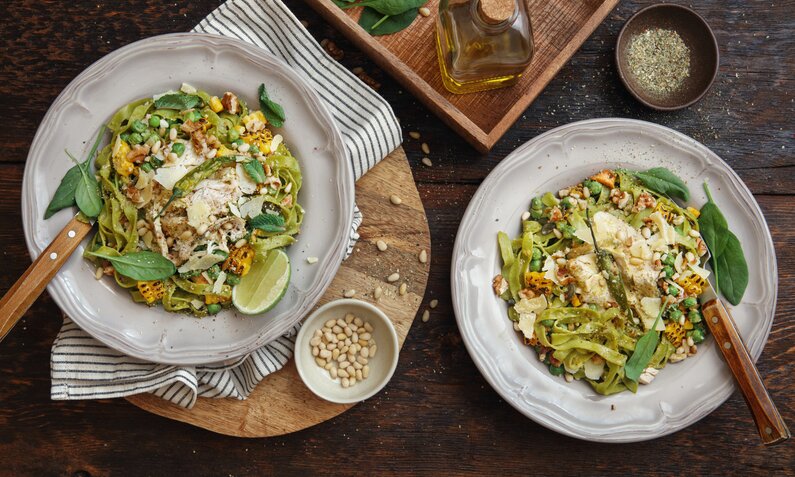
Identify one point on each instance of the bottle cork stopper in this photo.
(495, 11)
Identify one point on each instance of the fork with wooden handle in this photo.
(771, 426)
(30, 285)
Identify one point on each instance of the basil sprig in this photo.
(79, 186)
(664, 182)
(144, 265)
(644, 349)
(268, 222)
(382, 17)
(728, 260)
(255, 170)
(178, 101)
(272, 110)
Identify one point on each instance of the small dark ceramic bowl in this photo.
(696, 34)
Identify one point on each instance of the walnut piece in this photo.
(230, 103)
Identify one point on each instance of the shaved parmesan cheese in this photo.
(168, 176)
(700, 271)
(219, 283)
(532, 305)
(234, 210)
(200, 262)
(593, 369)
(526, 324)
(116, 145)
(275, 142)
(187, 89)
(143, 179)
(197, 303)
(551, 270)
(244, 181)
(649, 309)
(253, 207)
(665, 230)
(199, 214)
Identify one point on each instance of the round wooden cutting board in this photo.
(281, 404)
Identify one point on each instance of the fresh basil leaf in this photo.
(388, 7)
(733, 279)
(273, 111)
(179, 101)
(254, 170)
(144, 265)
(268, 222)
(342, 3)
(644, 349)
(392, 24)
(65, 193)
(87, 193)
(663, 181)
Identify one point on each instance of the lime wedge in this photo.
(264, 285)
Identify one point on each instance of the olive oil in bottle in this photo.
(483, 44)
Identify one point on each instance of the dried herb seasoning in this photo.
(659, 60)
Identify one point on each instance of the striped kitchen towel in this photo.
(84, 368)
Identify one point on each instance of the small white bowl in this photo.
(382, 366)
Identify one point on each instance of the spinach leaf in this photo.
(179, 101)
(65, 193)
(379, 24)
(388, 7)
(734, 279)
(273, 111)
(87, 194)
(665, 182)
(268, 222)
(342, 3)
(644, 349)
(144, 265)
(254, 170)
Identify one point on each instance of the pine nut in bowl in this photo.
(347, 350)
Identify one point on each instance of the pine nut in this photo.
(344, 364)
(349, 293)
(311, 260)
(336, 329)
(403, 289)
(335, 353)
(330, 323)
(434, 303)
(333, 373)
(395, 199)
(341, 323)
(373, 349)
(393, 278)
(353, 379)
(320, 362)
(315, 351)
(359, 375)
(365, 336)
(368, 327)
(172, 134)
(98, 273)
(345, 382)
(365, 352)
(414, 134)
(365, 371)
(377, 293)
(325, 353)
(349, 318)
(358, 321)
(361, 360)
(243, 148)
(427, 162)
(382, 246)
(425, 148)
(426, 315)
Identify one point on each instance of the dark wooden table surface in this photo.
(437, 415)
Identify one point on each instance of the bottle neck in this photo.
(489, 25)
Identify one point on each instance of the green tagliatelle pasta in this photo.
(150, 140)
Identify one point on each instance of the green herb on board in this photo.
(144, 265)
(272, 110)
(728, 260)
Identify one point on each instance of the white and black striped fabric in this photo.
(84, 368)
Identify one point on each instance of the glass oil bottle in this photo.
(483, 44)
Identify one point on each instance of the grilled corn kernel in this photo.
(694, 212)
(537, 282)
(215, 104)
(151, 290)
(675, 333)
(212, 298)
(262, 139)
(575, 301)
(224, 151)
(239, 260)
(256, 115)
(692, 283)
(665, 211)
(121, 164)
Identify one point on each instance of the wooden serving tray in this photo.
(559, 28)
(281, 404)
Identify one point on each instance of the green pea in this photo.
(556, 370)
(136, 138)
(146, 166)
(694, 316)
(193, 115)
(548, 323)
(673, 290)
(154, 121)
(253, 149)
(178, 148)
(214, 271)
(537, 213)
(535, 265)
(669, 259)
(669, 271)
(674, 314)
(138, 126)
(536, 253)
(536, 203)
(697, 335)
(213, 309)
(233, 135)
(190, 274)
(690, 302)
(125, 136)
(566, 229)
(594, 187)
(155, 162)
(567, 202)
(232, 279)
(238, 142)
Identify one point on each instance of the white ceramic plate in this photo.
(215, 64)
(682, 393)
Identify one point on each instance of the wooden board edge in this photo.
(158, 406)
